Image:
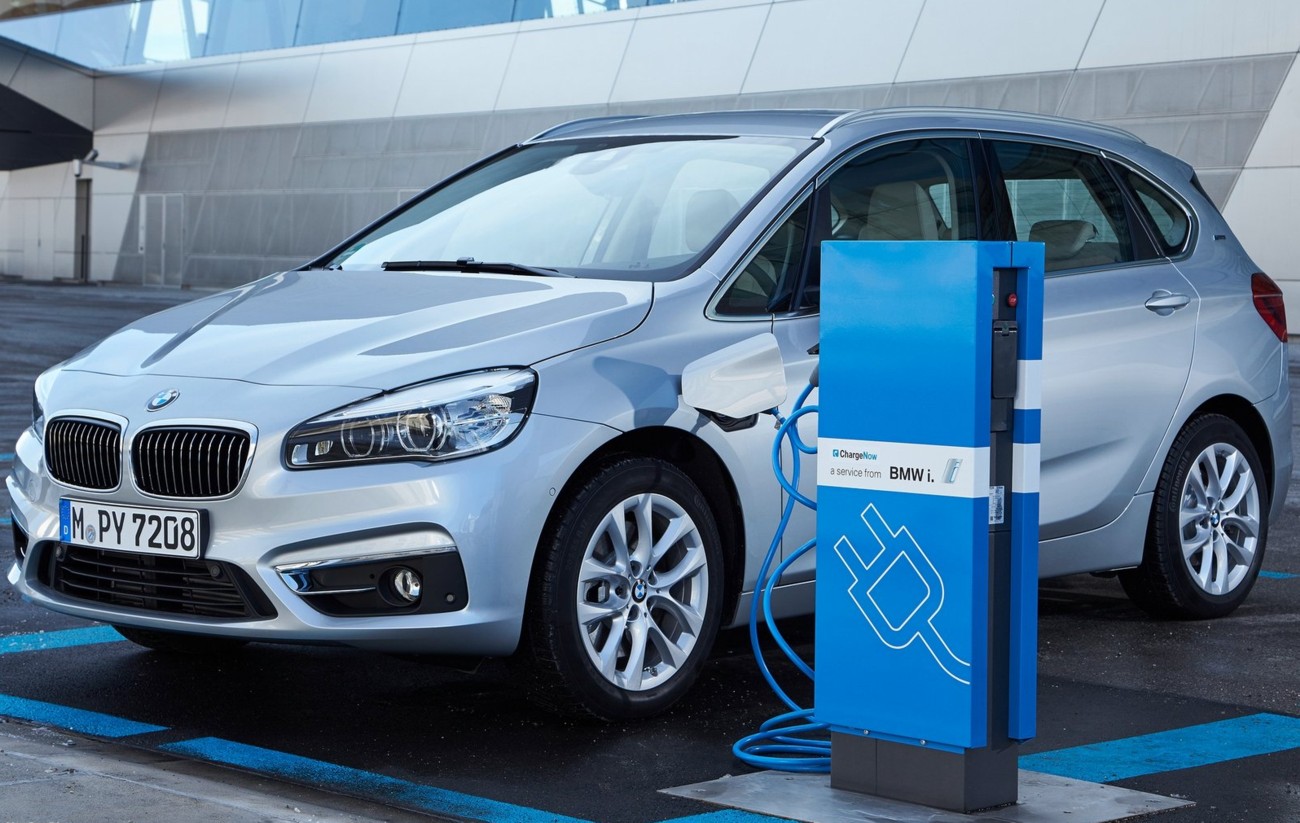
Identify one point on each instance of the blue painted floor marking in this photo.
(317, 772)
(1278, 575)
(1169, 751)
(6, 457)
(1176, 749)
(59, 639)
(76, 720)
(729, 816)
(5, 521)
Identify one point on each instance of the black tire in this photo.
(1199, 584)
(176, 643)
(563, 651)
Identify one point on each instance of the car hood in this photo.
(374, 330)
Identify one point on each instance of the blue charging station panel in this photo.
(905, 504)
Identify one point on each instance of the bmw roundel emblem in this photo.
(162, 400)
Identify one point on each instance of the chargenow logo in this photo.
(848, 454)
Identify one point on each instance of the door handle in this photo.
(1165, 303)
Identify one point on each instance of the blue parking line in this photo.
(1278, 575)
(1185, 748)
(76, 720)
(5, 521)
(729, 816)
(320, 773)
(5, 457)
(58, 640)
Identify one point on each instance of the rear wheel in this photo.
(176, 643)
(627, 600)
(1208, 527)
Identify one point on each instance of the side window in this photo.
(915, 190)
(1067, 201)
(769, 276)
(911, 190)
(1169, 219)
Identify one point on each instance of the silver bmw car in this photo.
(462, 431)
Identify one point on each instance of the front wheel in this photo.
(628, 596)
(1209, 523)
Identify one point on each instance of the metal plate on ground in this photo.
(810, 798)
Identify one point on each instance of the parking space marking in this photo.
(320, 773)
(1278, 575)
(5, 521)
(729, 816)
(1184, 748)
(6, 457)
(1108, 761)
(58, 639)
(75, 720)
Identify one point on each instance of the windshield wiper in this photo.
(469, 264)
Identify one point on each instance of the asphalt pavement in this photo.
(98, 729)
(49, 775)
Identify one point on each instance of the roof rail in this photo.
(556, 131)
(843, 118)
(899, 111)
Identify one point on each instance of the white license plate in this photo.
(169, 532)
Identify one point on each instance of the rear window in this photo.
(1068, 201)
(1165, 215)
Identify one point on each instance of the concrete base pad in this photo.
(810, 798)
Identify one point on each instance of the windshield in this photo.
(639, 209)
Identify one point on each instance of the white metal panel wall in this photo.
(194, 97)
(451, 73)
(274, 89)
(810, 44)
(423, 103)
(1160, 31)
(698, 51)
(64, 90)
(125, 103)
(356, 84)
(957, 38)
(560, 64)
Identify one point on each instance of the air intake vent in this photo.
(189, 462)
(84, 453)
(173, 585)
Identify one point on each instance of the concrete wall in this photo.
(37, 205)
(269, 158)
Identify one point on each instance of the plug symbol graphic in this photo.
(900, 592)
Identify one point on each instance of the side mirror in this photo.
(740, 380)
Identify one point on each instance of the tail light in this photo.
(1268, 302)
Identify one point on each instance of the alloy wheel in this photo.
(1219, 523)
(643, 589)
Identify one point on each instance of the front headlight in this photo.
(40, 389)
(444, 419)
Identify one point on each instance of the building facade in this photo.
(213, 170)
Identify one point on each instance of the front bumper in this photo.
(489, 510)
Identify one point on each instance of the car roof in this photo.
(764, 122)
(814, 123)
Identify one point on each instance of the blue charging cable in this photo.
(791, 741)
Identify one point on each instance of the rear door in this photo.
(1119, 325)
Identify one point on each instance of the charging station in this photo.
(927, 517)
